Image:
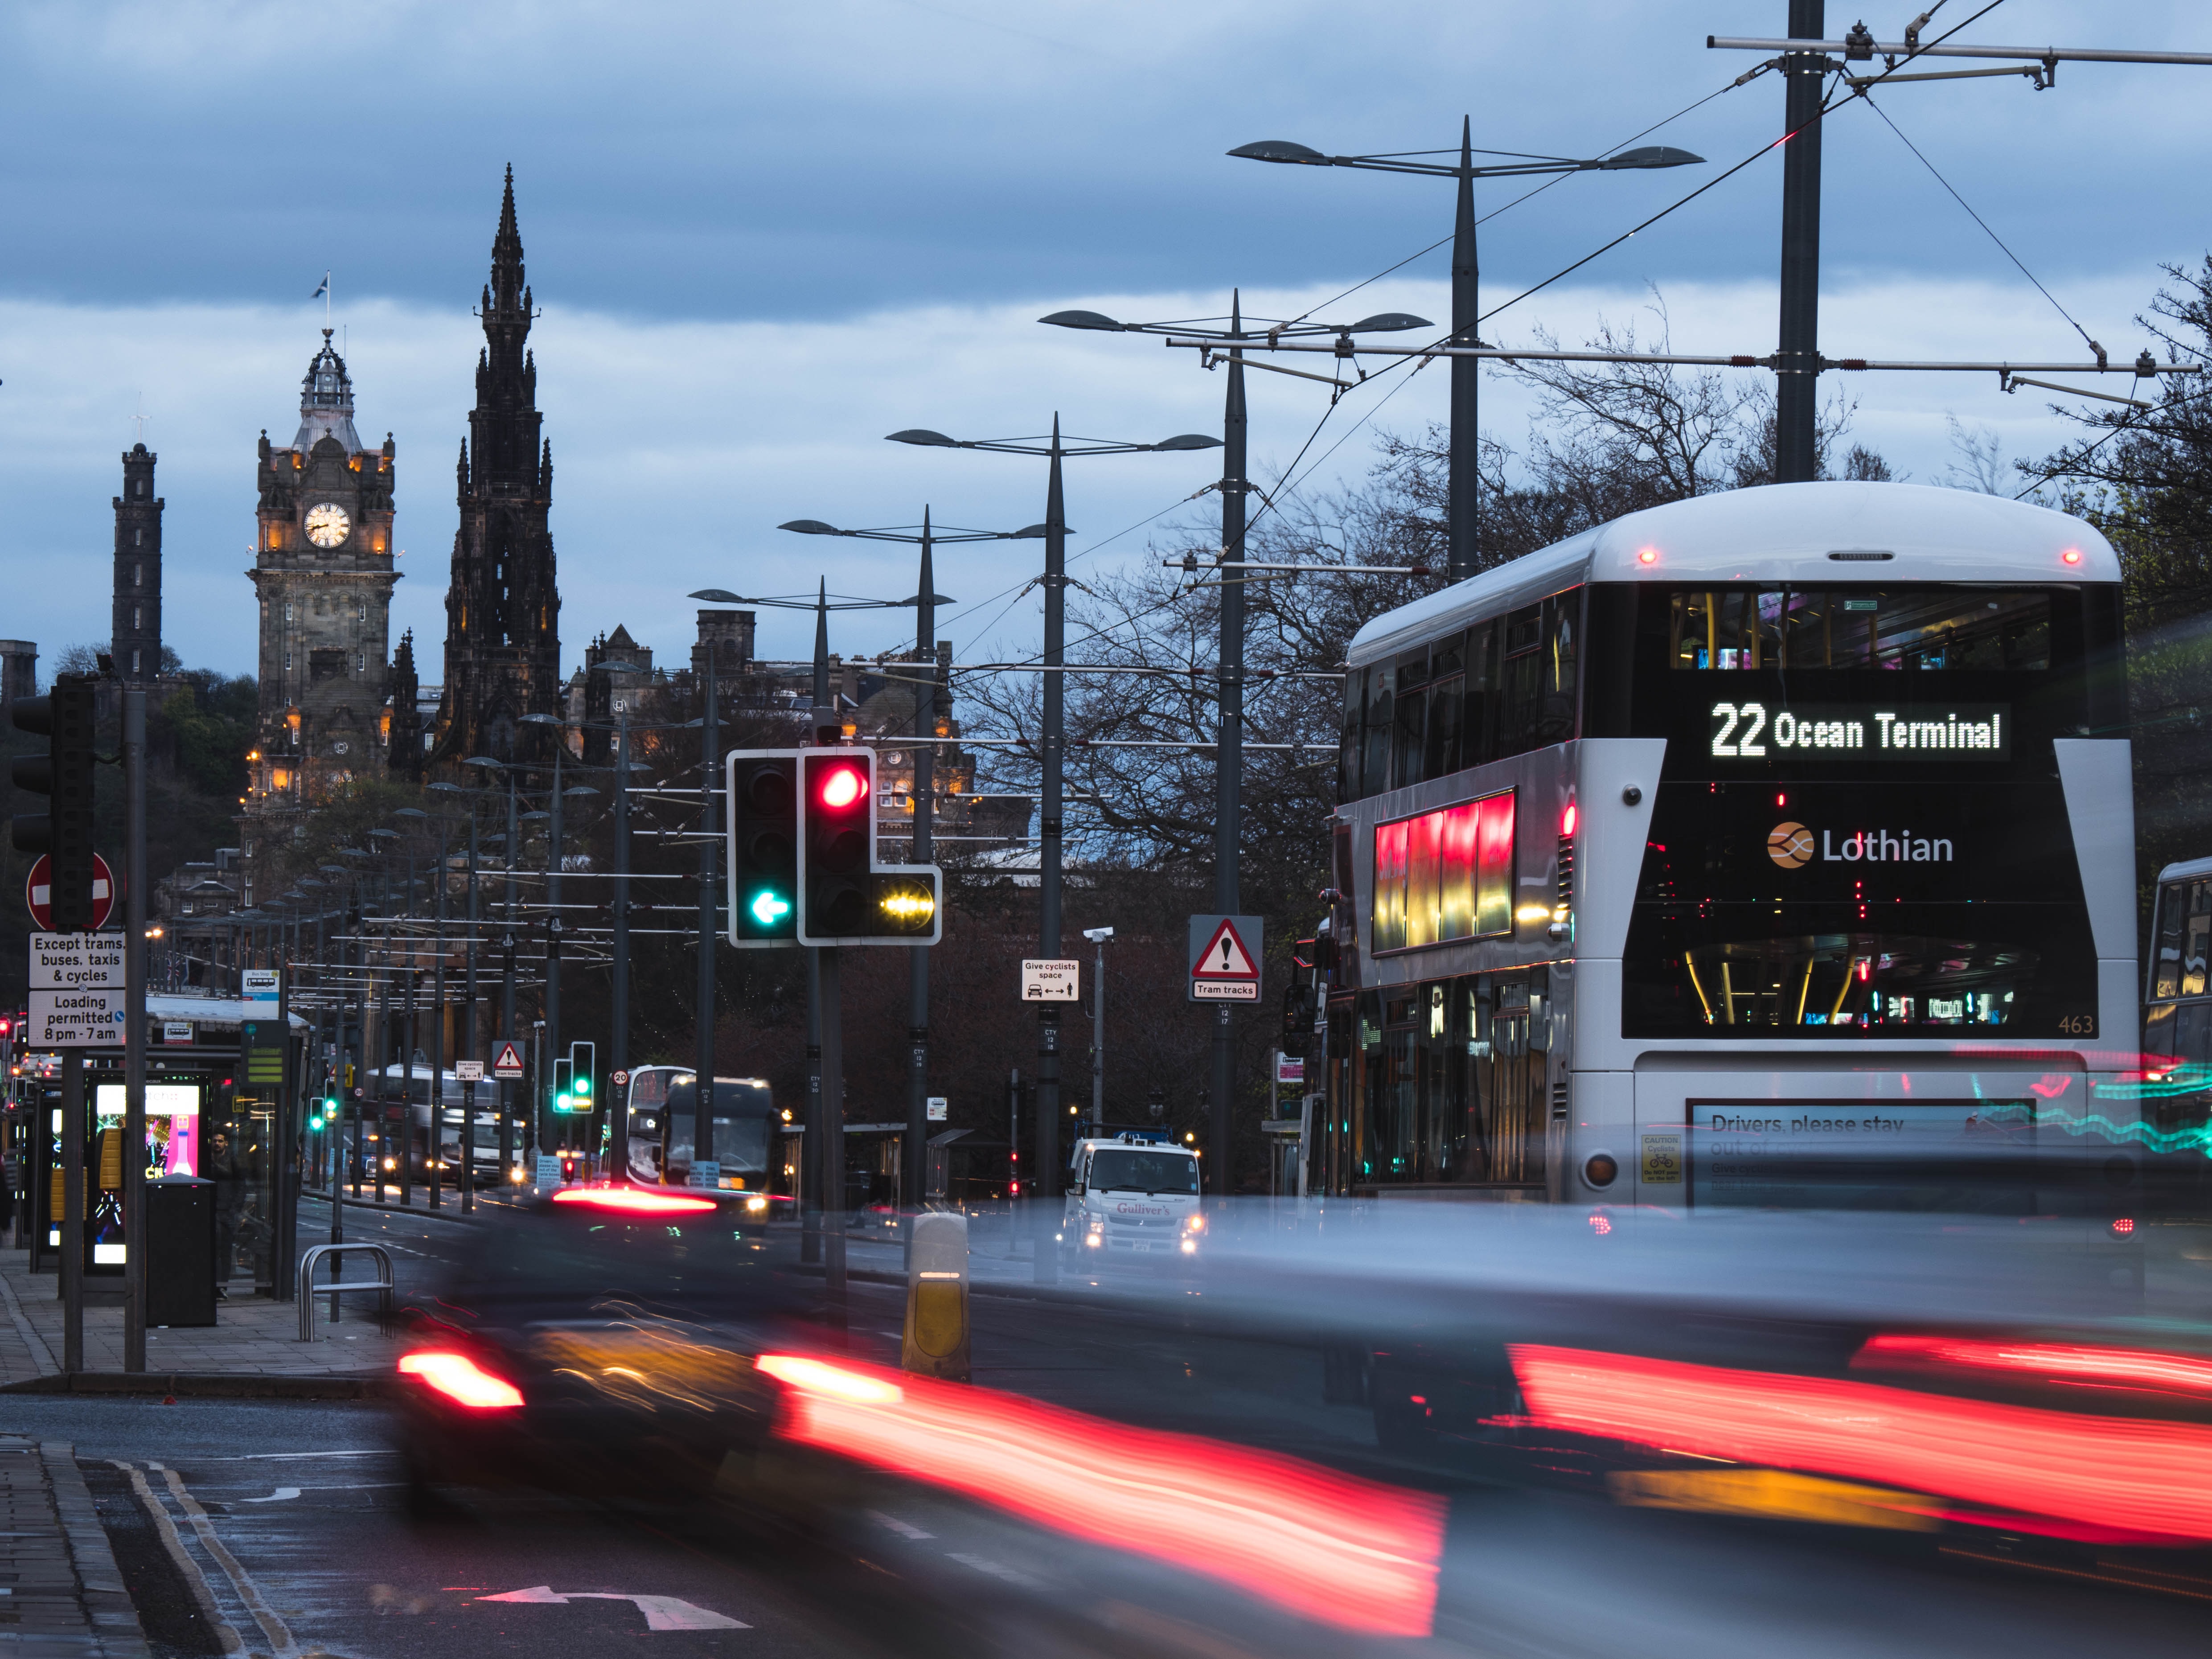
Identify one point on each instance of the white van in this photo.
(1131, 1197)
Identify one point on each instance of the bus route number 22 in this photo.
(1731, 743)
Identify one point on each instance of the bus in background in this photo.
(397, 1081)
(1740, 828)
(2177, 1036)
(662, 1114)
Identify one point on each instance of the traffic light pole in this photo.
(552, 928)
(134, 1030)
(72, 1216)
(832, 1150)
(815, 1162)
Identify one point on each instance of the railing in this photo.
(335, 1289)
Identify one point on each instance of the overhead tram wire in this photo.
(1822, 114)
(1984, 224)
(1014, 594)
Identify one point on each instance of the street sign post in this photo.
(1047, 979)
(37, 893)
(939, 1106)
(1225, 958)
(506, 1061)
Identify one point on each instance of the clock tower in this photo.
(323, 573)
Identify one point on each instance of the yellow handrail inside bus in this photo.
(1703, 1000)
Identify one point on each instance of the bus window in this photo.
(1413, 710)
(1478, 701)
(1929, 627)
(1347, 759)
(2196, 936)
(1375, 775)
(2166, 968)
(1442, 755)
(1555, 720)
(1521, 688)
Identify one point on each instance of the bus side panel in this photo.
(1604, 1122)
(2097, 777)
(1611, 833)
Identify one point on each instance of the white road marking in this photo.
(280, 1638)
(279, 1495)
(996, 1570)
(275, 1457)
(903, 1528)
(194, 1578)
(661, 1612)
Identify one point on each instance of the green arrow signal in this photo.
(769, 907)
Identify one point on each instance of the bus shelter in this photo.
(205, 1116)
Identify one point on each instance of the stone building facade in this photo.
(503, 606)
(136, 636)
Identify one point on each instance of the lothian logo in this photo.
(1792, 847)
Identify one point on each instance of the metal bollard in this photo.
(935, 1340)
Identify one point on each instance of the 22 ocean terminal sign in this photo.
(1750, 730)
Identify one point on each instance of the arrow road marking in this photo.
(661, 1612)
(277, 1496)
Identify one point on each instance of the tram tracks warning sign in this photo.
(1225, 958)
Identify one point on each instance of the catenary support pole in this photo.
(710, 783)
(813, 1160)
(1229, 771)
(134, 1031)
(543, 1085)
(1044, 1178)
(915, 1152)
(1797, 360)
(1463, 477)
(605, 1103)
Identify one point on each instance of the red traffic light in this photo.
(842, 786)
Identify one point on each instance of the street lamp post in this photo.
(1046, 1181)
(509, 848)
(1463, 477)
(1229, 752)
(926, 600)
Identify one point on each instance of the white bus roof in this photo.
(1775, 532)
(2187, 870)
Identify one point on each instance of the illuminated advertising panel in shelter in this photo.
(1444, 875)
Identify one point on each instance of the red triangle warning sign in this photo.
(1224, 956)
(506, 1061)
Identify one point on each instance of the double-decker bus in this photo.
(1784, 819)
(660, 1116)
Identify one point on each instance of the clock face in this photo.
(327, 525)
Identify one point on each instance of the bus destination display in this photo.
(1894, 731)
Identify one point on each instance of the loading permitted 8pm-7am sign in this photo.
(1225, 958)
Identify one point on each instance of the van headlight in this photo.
(756, 1203)
(1193, 1223)
(1097, 1224)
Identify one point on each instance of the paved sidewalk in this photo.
(252, 1337)
(63, 1596)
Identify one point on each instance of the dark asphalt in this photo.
(305, 1543)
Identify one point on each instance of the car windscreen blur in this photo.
(1143, 1172)
(573, 1258)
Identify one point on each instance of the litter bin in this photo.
(179, 1251)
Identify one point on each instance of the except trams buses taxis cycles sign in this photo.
(1225, 958)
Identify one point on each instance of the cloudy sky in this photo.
(763, 236)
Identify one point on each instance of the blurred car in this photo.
(604, 1338)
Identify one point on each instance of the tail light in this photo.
(461, 1380)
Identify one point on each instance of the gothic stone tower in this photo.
(137, 651)
(503, 610)
(324, 572)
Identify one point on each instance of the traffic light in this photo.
(564, 1099)
(846, 898)
(583, 1062)
(763, 851)
(66, 716)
